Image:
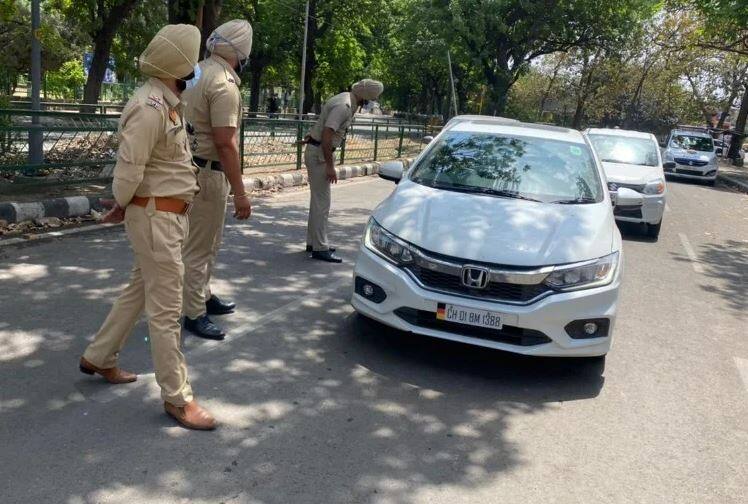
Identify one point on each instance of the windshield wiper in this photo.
(575, 201)
(505, 194)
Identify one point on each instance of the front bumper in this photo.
(693, 172)
(549, 315)
(652, 210)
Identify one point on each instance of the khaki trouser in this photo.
(156, 286)
(319, 202)
(206, 232)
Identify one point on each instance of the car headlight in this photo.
(387, 245)
(656, 186)
(585, 275)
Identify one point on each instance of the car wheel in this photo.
(653, 230)
(711, 182)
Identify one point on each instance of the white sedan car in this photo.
(502, 235)
(632, 159)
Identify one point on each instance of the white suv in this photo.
(632, 159)
(693, 154)
(502, 235)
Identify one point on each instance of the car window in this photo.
(697, 143)
(511, 166)
(627, 150)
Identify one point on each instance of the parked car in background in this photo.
(632, 159)
(501, 234)
(693, 152)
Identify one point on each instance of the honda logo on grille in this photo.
(475, 277)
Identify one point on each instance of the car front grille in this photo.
(634, 212)
(634, 187)
(685, 171)
(499, 291)
(507, 334)
(690, 162)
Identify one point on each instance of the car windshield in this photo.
(511, 166)
(697, 143)
(626, 150)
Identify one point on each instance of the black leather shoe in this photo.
(310, 249)
(327, 256)
(214, 306)
(204, 327)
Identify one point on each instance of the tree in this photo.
(100, 19)
(503, 37)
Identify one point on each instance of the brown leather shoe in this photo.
(191, 415)
(112, 375)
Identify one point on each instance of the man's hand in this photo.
(332, 177)
(242, 206)
(115, 215)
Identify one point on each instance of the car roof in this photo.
(618, 132)
(490, 124)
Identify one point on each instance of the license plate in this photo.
(469, 316)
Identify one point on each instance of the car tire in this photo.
(711, 183)
(653, 230)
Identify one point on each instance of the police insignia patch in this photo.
(155, 102)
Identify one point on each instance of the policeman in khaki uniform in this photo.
(326, 135)
(214, 114)
(154, 185)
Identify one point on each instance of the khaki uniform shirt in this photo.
(215, 102)
(337, 114)
(154, 156)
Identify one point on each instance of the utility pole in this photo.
(303, 63)
(452, 80)
(36, 146)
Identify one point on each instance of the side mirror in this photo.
(668, 165)
(427, 139)
(392, 171)
(628, 198)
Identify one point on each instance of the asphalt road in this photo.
(319, 408)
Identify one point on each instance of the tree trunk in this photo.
(103, 38)
(547, 91)
(311, 58)
(211, 13)
(737, 140)
(185, 11)
(255, 75)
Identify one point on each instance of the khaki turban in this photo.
(368, 89)
(233, 38)
(173, 52)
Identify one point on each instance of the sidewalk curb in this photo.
(77, 206)
(733, 182)
(52, 235)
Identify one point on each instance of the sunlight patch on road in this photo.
(742, 365)
(24, 272)
(18, 344)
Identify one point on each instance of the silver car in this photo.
(693, 152)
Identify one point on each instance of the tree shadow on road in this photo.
(727, 264)
(317, 406)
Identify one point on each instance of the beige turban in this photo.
(173, 52)
(368, 89)
(233, 38)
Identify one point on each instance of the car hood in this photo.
(695, 155)
(497, 230)
(631, 174)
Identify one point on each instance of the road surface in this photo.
(319, 408)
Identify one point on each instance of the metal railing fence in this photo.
(81, 147)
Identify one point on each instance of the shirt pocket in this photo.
(177, 141)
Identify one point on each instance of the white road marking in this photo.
(690, 253)
(742, 365)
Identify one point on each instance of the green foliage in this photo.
(66, 81)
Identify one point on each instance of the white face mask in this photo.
(193, 81)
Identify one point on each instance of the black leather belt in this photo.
(317, 143)
(202, 163)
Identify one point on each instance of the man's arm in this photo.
(224, 139)
(326, 146)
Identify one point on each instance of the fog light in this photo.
(369, 290)
(588, 328)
